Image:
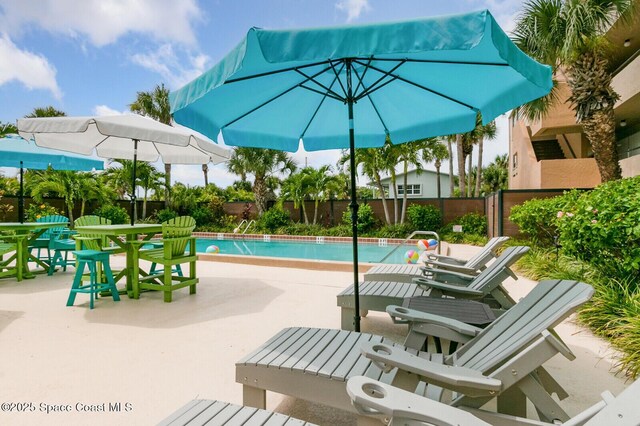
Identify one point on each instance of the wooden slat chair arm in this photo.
(402, 315)
(448, 288)
(459, 379)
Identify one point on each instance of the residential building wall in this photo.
(427, 181)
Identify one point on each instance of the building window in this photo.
(515, 160)
(412, 189)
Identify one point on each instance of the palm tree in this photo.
(435, 151)
(91, 189)
(321, 185)
(372, 162)
(410, 155)
(263, 164)
(205, 172)
(450, 140)
(149, 179)
(7, 129)
(496, 175)
(48, 111)
(296, 188)
(569, 35)
(391, 158)
(63, 183)
(155, 104)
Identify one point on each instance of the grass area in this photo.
(614, 311)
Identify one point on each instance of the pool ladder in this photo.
(413, 234)
(244, 222)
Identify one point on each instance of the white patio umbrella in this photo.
(124, 137)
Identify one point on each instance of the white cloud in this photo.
(30, 69)
(103, 22)
(101, 110)
(169, 65)
(354, 8)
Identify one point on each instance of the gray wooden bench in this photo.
(218, 413)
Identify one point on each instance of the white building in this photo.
(421, 185)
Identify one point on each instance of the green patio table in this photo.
(25, 233)
(130, 233)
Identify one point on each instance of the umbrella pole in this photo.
(133, 182)
(354, 202)
(21, 197)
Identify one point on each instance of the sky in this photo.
(91, 57)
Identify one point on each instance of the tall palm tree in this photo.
(450, 140)
(61, 183)
(205, 172)
(47, 111)
(487, 132)
(391, 158)
(7, 129)
(91, 189)
(263, 164)
(410, 155)
(435, 151)
(155, 104)
(569, 35)
(149, 179)
(372, 162)
(321, 185)
(296, 187)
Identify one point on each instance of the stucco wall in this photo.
(573, 173)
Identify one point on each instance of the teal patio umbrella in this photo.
(22, 154)
(352, 86)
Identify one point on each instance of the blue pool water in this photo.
(305, 250)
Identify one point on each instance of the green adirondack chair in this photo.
(178, 247)
(42, 242)
(97, 242)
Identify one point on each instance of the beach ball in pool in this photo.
(432, 244)
(411, 256)
(422, 244)
(213, 249)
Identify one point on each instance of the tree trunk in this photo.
(82, 204)
(315, 211)
(438, 164)
(304, 212)
(593, 99)
(383, 197)
(404, 193)
(462, 181)
(394, 184)
(470, 176)
(144, 203)
(479, 171)
(205, 171)
(260, 193)
(451, 180)
(167, 185)
(600, 131)
(70, 210)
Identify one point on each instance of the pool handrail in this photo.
(413, 234)
(244, 231)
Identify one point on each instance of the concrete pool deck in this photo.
(156, 356)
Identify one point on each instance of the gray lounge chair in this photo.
(373, 398)
(377, 295)
(436, 262)
(503, 361)
(218, 413)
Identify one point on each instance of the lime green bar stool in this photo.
(90, 258)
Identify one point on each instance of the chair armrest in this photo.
(447, 276)
(371, 397)
(459, 379)
(401, 315)
(437, 267)
(444, 259)
(454, 289)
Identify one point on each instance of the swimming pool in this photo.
(305, 250)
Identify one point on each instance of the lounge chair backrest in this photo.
(98, 241)
(488, 252)
(624, 410)
(178, 227)
(496, 273)
(55, 218)
(544, 307)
